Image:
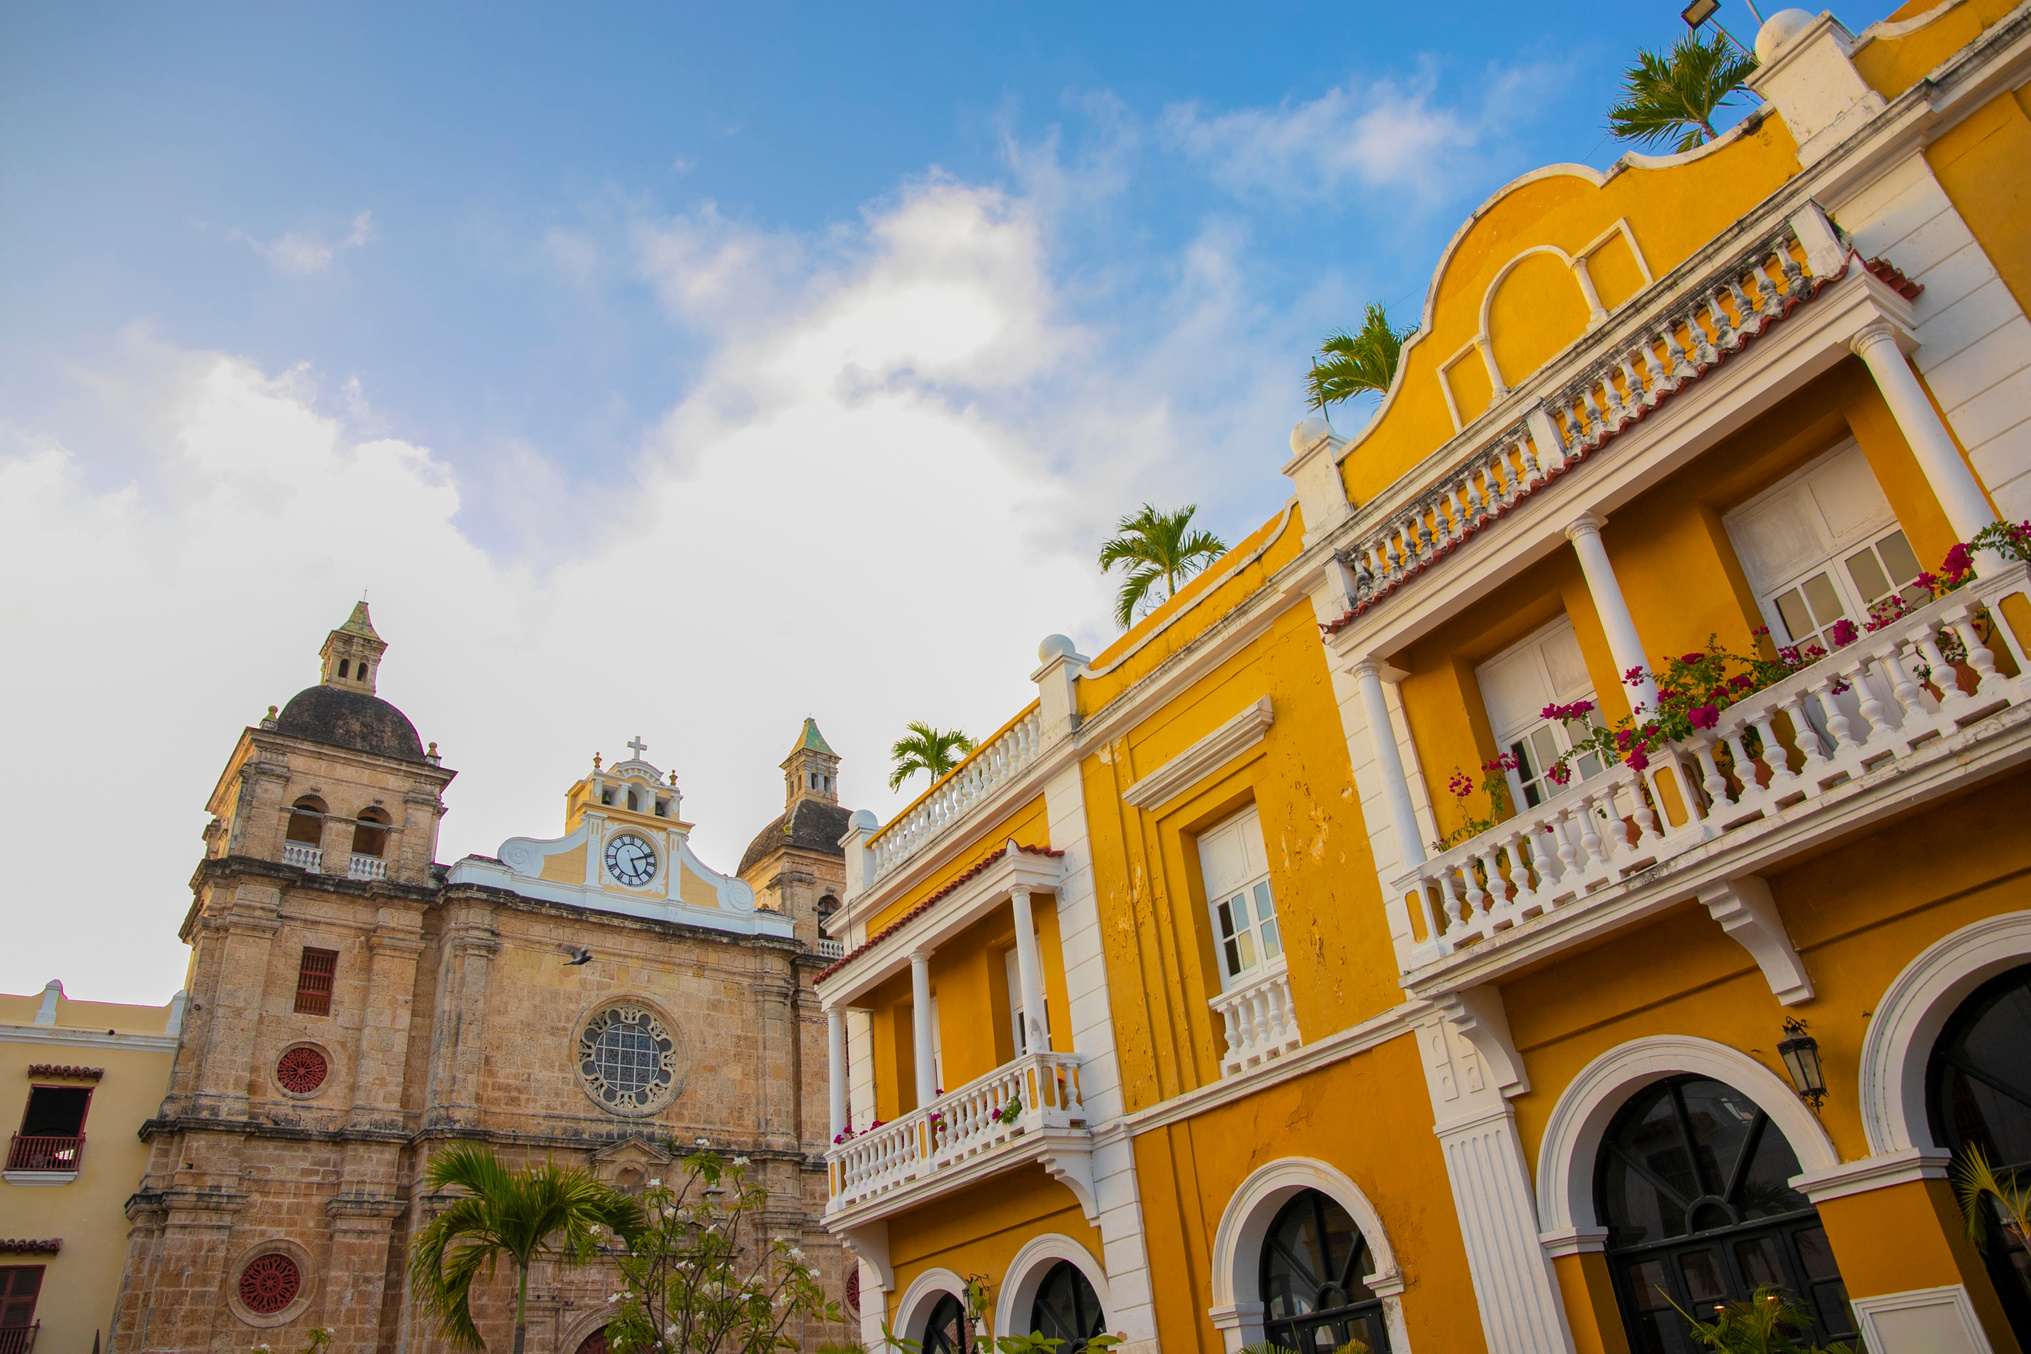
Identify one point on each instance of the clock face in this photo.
(630, 859)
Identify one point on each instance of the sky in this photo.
(668, 371)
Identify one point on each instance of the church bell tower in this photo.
(811, 771)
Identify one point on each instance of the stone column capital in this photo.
(1870, 335)
(1586, 524)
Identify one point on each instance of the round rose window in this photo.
(627, 1059)
(269, 1283)
(301, 1070)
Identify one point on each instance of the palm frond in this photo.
(1362, 361)
(1676, 94)
(1156, 547)
(924, 748)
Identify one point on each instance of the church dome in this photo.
(351, 719)
(811, 825)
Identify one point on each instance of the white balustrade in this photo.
(367, 867)
(303, 855)
(1259, 1019)
(990, 767)
(1859, 712)
(829, 948)
(1634, 369)
(959, 1126)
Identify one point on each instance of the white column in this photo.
(1967, 507)
(920, 1027)
(835, 1067)
(1029, 975)
(1382, 732)
(1514, 1284)
(1623, 641)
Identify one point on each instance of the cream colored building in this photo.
(78, 1079)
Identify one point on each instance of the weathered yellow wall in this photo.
(979, 1230)
(1369, 1116)
(1980, 164)
(1027, 823)
(1536, 311)
(81, 1282)
(1892, 65)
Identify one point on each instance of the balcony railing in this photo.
(45, 1154)
(18, 1339)
(1872, 707)
(1259, 1020)
(367, 867)
(1702, 321)
(303, 856)
(829, 948)
(989, 767)
(960, 1126)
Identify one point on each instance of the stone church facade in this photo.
(599, 998)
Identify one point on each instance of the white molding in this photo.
(69, 1038)
(913, 1310)
(1204, 757)
(1952, 1315)
(1745, 910)
(1874, 1173)
(1572, 1135)
(38, 1177)
(1236, 1273)
(1025, 1274)
(1515, 1290)
(1912, 1011)
(737, 914)
(1574, 1241)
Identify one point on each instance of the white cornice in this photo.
(1873, 1173)
(1210, 753)
(68, 1038)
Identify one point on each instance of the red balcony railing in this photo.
(43, 1154)
(21, 1339)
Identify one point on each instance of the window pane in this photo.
(1646, 1280)
(1815, 1255)
(1226, 918)
(1233, 959)
(1797, 620)
(1825, 602)
(1247, 944)
(1898, 557)
(1870, 580)
(1758, 1258)
(1546, 747)
(1526, 764)
(1265, 906)
(1703, 1280)
(1272, 944)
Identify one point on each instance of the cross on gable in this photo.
(638, 745)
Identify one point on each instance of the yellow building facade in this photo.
(1306, 968)
(78, 1079)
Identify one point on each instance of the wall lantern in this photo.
(1698, 12)
(1800, 1052)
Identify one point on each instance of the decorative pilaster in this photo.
(244, 930)
(393, 946)
(1513, 1283)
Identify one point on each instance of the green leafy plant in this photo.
(1975, 1182)
(924, 748)
(702, 1277)
(1494, 783)
(1768, 1323)
(1010, 1112)
(517, 1215)
(1365, 360)
(1676, 94)
(1156, 548)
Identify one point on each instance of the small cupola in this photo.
(352, 653)
(811, 771)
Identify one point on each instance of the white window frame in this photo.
(1245, 952)
(1834, 554)
(1533, 730)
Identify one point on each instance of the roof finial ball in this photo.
(1308, 434)
(1056, 646)
(1779, 29)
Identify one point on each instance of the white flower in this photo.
(796, 1253)
(613, 1299)
(740, 1161)
(704, 1142)
(655, 1184)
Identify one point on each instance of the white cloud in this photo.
(305, 252)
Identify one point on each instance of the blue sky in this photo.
(677, 370)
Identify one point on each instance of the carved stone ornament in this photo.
(627, 1060)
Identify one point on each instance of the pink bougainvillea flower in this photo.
(1843, 633)
(1704, 716)
(1637, 760)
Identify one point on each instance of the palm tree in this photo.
(544, 1209)
(1357, 362)
(1975, 1180)
(924, 748)
(1156, 547)
(1676, 95)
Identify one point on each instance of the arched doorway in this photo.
(1691, 1184)
(946, 1332)
(1314, 1261)
(1978, 1094)
(1066, 1308)
(594, 1343)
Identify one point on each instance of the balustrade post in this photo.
(1395, 784)
(1029, 976)
(1611, 607)
(925, 1045)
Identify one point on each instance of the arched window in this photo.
(945, 1332)
(1978, 1092)
(1314, 1262)
(1066, 1308)
(1691, 1185)
(345, 666)
(306, 820)
(634, 801)
(370, 834)
(594, 1343)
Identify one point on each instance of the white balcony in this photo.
(1260, 1023)
(966, 1136)
(367, 867)
(1862, 735)
(829, 948)
(986, 769)
(303, 856)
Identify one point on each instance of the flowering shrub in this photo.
(1495, 784)
(1010, 1112)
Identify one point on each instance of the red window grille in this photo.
(853, 1285)
(19, 1285)
(269, 1283)
(313, 981)
(301, 1070)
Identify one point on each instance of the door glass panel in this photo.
(1824, 600)
(1867, 571)
(1703, 1279)
(1798, 624)
(1757, 1258)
